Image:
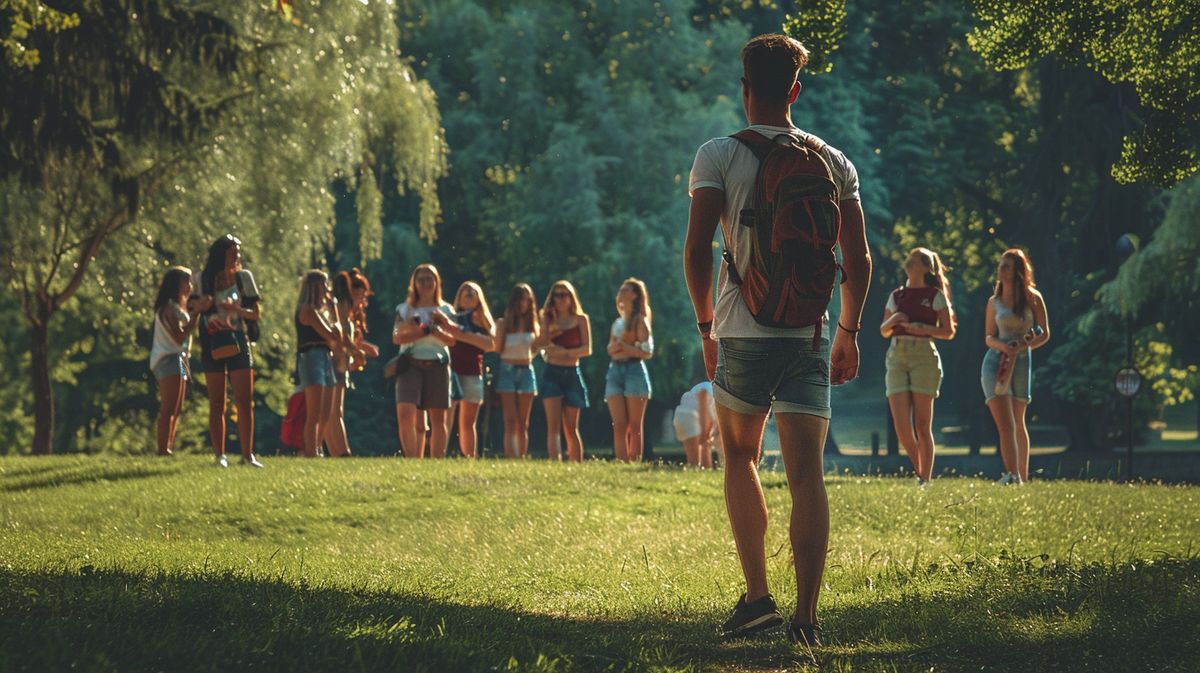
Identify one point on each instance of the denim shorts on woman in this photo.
(784, 374)
(314, 367)
(565, 382)
(466, 388)
(516, 379)
(1020, 386)
(627, 378)
(172, 364)
(913, 366)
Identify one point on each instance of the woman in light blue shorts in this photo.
(169, 355)
(316, 334)
(627, 385)
(1016, 325)
(515, 334)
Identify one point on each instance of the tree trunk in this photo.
(43, 394)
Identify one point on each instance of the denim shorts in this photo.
(466, 388)
(1020, 386)
(913, 365)
(627, 378)
(516, 379)
(565, 382)
(314, 367)
(172, 364)
(784, 374)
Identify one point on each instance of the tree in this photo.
(149, 128)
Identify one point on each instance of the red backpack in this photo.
(291, 431)
(796, 221)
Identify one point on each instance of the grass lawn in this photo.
(392, 565)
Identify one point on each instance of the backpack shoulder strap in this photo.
(755, 142)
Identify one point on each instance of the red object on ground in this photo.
(291, 431)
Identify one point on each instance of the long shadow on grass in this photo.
(66, 475)
(1013, 617)
(1024, 616)
(120, 621)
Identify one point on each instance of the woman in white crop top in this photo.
(515, 334)
(627, 383)
(169, 354)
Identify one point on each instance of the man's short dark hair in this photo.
(770, 63)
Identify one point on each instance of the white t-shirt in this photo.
(164, 345)
(249, 287)
(939, 302)
(427, 347)
(690, 401)
(728, 165)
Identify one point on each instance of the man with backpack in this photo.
(784, 200)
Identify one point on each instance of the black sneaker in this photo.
(748, 618)
(808, 635)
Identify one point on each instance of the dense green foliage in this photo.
(154, 127)
(535, 140)
(142, 564)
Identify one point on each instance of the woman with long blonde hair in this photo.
(423, 374)
(1016, 324)
(566, 338)
(474, 332)
(515, 336)
(627, 385)
(351, 292)
(316, 337)
(916, 314)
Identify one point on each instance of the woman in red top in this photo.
(474, 333)
(566, 338)
(916, 314)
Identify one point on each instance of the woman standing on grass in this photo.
(627, 385)
(696, 427)
(566, 337)
(169, 354)
(317, 335)
(350, 292)
(474, 332)
(916, 314)
(515, 335)
(423, 380)
(231, 306)
(1016, 324)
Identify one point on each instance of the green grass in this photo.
(391, 565)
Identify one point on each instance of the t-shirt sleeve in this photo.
(249, 287)
(939, 301)
(891, 305)
(848, 183)
(707, 170)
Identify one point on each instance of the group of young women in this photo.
(920, 312)
(438, 372)
(439, 375)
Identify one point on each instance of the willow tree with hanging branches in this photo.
(148, 128)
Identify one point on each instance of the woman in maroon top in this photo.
(916, 314)
(566, 338)
(474, 333)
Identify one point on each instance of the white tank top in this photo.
(164, 345)
(517, 346)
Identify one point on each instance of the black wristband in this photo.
(848, 330)
(704, 327)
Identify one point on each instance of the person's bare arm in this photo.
(708, 203)
(856, 264)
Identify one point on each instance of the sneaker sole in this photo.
(762, 623)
